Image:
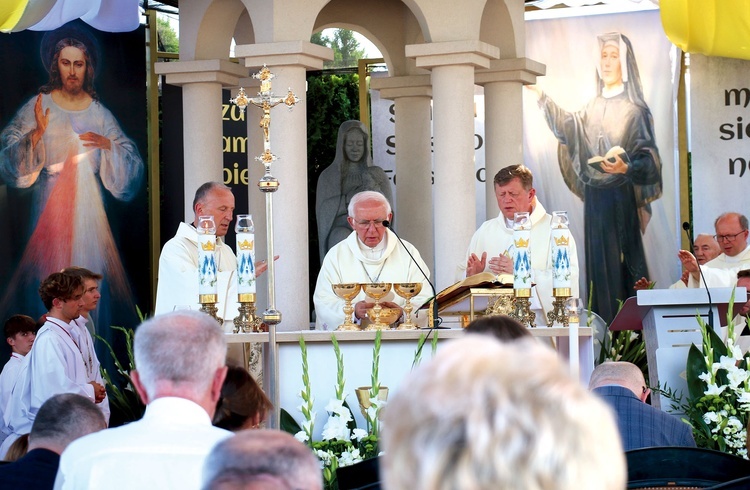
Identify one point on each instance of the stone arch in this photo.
(213, 30)
(498, 28)
(244, 33)
(389, 24)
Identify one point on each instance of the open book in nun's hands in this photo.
(596, 162)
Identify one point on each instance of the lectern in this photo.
(670, 327)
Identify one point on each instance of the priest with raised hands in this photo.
(491, 248)
(370, 254)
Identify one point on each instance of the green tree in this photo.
(169, 42)
(346, 49)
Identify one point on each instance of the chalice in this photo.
(407, 290)
(347, 292)
(376, 291)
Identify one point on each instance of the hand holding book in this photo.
(615, 161)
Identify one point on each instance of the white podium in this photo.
(670, 327)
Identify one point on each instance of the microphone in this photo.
(686, 227)
(435, 319)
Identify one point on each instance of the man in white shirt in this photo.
(180, 359)
(56, 362)
(85, 326)
(732, 234)
(370, 254)
(178, 263)
(20, 331)
(491, 247)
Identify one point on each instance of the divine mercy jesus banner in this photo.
(73, 168)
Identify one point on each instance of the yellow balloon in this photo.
(10, 12)
(713, 28)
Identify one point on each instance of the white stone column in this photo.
(412, 96)
(503, 104)
(452, 65)
(201, 82)
(289, 62)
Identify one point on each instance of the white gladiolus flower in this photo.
(710, 417)
(705, 377)
(358, 434)
(335, 429)
(301, 436)
(736, 377)
(714, 390)
(728, 363)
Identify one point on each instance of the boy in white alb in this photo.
(55, 364)
(20, 331)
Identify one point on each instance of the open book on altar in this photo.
(459, 299)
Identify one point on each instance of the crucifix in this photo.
(268, 184)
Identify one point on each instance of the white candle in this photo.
(245, 254)
(560, 235)
(207, 271)
(521, 251)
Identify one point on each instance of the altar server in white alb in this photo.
(20, 331)
(370, 254)
(86, 328)
(56, 363)
(178, 263)
(491, 247)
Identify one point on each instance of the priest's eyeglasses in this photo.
(364, 224)
(728, 238)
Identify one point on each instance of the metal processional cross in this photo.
(268, 184)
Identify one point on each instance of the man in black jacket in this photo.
(60, 420)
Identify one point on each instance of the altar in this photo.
(397, 354)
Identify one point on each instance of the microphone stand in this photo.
(686, 227)
(434, 319)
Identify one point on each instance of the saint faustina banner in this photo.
(601, 145)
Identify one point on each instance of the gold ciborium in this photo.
(376, 291)
(347, 292)
(407, 290)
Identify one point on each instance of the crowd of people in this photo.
(475, 416)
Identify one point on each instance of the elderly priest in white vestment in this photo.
(370, 254)
(721, 272)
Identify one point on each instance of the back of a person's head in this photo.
(182, 349)
(242, 401)
(18, 449)
(62, 419)
(267, 459)
(620, 373)
(485, 415)
(502, 327)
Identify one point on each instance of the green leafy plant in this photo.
(342, 442)
(717, 405)
(124, 401)
(623, 345)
